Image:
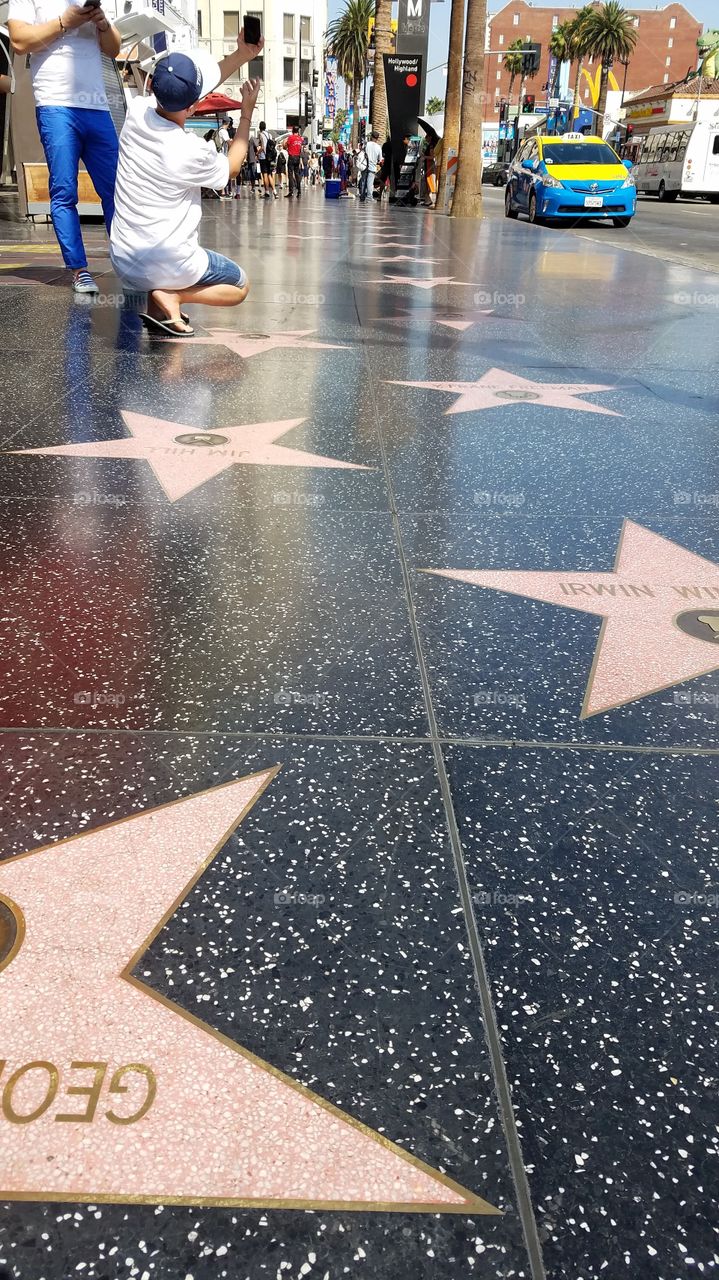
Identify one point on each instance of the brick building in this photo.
(666, 49)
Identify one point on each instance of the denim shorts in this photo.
(221, 270)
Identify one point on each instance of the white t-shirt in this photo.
(154, 235)
(69, 72)
(374, 155)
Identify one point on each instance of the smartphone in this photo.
(92, 4)
(253, 29)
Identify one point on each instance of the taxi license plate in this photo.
(593, 202)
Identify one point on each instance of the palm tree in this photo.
(348, 42)
(382, 45)
(468, 189)
(513, 63)
(610, 36)
(450, 141)
(577, 50)
(559, 49)
(434, 106)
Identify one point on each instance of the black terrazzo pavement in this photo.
(511, 969)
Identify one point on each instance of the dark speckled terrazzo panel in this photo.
(594, 880)
(355, 997)
(555, 1054)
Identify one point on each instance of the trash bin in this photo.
(332, 189)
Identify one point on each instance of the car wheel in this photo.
(533, 217)
(664, 195)
(621, 222)
(509, 210)
(499, 180)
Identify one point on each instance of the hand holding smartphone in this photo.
(252, 29)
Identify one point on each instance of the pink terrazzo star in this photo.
(497, 387)
(660, 607)
(112, 1093)
(183, 458)
(248, 345)
(431, 283)
(409, 257)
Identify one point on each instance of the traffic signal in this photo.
(630, 131)
(503, 110)
(315, 79)
(529, 101)
(531, 58)
(362, 131)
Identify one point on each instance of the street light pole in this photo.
(299, 105)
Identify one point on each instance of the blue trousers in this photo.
(69, 135)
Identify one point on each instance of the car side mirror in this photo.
(627, 164)
(528, 164)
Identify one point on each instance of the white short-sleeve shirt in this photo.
(154, 240)
(69, 72)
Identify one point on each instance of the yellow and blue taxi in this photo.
(568, 177)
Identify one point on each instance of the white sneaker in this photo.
(84, 283)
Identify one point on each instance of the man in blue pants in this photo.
(66, 43)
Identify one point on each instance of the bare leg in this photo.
(165, 303)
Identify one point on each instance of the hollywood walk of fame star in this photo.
(183, 458)
(408, 257)
(430, 283)
(112, 1093)
(498, 387)
(248, 345)
(660, 606)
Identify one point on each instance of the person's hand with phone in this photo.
(250, 41)
(245, 52)
(75, 16)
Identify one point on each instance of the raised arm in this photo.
(243, 53)
(238, 147)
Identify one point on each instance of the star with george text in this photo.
(154, 1105)
(497, 387)
(183, 458)
(660, 611)
(247, 345)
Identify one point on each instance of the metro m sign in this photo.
(413, 34)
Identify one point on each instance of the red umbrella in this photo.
(215, 102)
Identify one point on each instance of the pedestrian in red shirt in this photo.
(293, 147)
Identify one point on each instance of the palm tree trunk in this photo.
(575, 102)
(468, 189)
(512, 78)
(382, 44)
(355, 114)
(452, 102)
(602, 104)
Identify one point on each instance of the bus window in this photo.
(683, 144)
(715, 145)
(651, 149)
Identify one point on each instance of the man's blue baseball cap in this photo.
(181, 79)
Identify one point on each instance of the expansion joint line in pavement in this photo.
(501, 1083)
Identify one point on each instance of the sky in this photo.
(703, 10)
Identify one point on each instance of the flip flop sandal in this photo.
(183, 316)
(165, 327)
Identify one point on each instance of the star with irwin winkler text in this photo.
(660, 606)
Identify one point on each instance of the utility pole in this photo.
(299, 107)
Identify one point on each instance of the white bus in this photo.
(675, 160)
